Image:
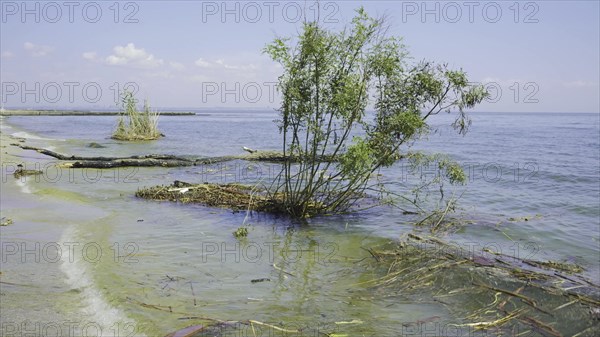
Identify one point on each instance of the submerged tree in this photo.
(329, 81)
(134, 124)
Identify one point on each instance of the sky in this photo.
(533, 56)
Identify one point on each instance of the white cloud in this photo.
(579, 84)
(7, 54)
(160, 74)
(37, 50)
(241, 67)
(130, 55)
(176, 65)
(90, 55)
(202, 63)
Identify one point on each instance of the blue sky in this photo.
(535, 56)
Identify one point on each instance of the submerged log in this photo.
(73, 157)
(162, 160)
(106, 164)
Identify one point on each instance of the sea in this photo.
(84, 256)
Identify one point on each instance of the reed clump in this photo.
(134, 124)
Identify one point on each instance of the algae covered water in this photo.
(85, 255)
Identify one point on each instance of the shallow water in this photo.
(143, 268)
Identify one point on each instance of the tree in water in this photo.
(329, 81)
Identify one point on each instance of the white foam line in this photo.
(27, 135)
(23, 186)
(95, 306)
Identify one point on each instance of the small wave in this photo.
(24, 186)
(94, 304)
(27, 135)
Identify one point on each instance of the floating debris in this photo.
(258, 280)
(515, 294)
(21, 172)
(241, 232)
(569, 268)
(236, 197)
(525, 218)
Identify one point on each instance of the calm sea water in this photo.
(149, 265)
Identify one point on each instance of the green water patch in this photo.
(348, 284)
(57, 194)
(309, 278)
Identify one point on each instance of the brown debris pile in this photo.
(233, 196)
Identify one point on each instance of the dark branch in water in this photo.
(159, 160)
(73, 157)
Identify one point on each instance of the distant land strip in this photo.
(80, 113)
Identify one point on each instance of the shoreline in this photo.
(64, 279)
(81, 113)
(18, 198)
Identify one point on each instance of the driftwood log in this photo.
(158, 160)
